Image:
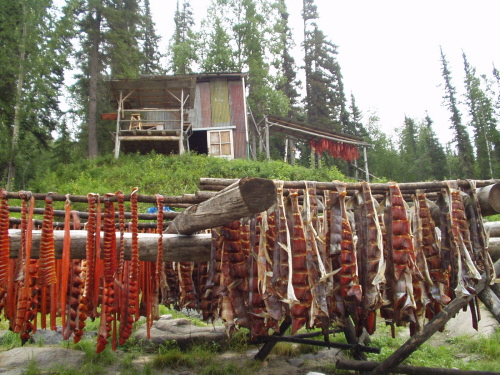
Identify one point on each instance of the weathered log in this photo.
(168, 200)
(491, 301)
(176, 248)
(494, 248)
(375, 187)
(338, 345)
(244, 198)
(59, 225)
(493, 227)
(414, 342)
(488, 191)
(489, 199)
(496, 287)
(85, 215)
(344, 364)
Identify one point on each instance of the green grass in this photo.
(484, 352)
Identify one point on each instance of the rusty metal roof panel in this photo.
(219, 99)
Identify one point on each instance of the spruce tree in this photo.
(150, 49)
(325, 101)
(482, 120)
(461, 137)
(436, 157)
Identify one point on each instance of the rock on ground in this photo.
(183, 331)
(17, 360)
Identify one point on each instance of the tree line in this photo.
(95, 40)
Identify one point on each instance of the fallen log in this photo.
(414, 342)
(344, 364)
(244, 198)
(176, 248)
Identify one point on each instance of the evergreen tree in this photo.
(325, 100)
(435, 157)
(355, 125)
(464, 147)
(482, 120)
(286, 66)
(410, 170)
(150, 50)
(108, 32)
(184, 42)
(33, 48)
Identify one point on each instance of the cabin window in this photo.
(220, 143)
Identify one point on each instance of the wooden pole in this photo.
(176, 248)
(429, 329)
(343, 364)
(367, 172)
(118, 119)
(243, 198)
(375, 187)
(491, 301)
(168, 200)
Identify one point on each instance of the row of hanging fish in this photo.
(339, 150)
(101, 285)
(315, 258)
(329, 258)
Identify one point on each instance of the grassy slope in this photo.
(168, 175)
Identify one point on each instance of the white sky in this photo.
(389, 49)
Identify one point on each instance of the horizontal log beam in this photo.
(168, 200)
(494, 248)
(493, 227)
(344, 364)
(491, 301)
(375, 187)
(134, 138)
(176, 248)
(244, 198)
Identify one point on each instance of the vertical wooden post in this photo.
(118, 118)
(286, 151)
(292, 152)
(366, 165)
(268, 151)
(181, 141)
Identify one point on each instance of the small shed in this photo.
(170, 114)
(339, 145)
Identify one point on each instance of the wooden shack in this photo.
(172, 114)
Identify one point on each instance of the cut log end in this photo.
(257, 193)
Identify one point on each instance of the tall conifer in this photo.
(461, 137)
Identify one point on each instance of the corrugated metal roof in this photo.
(219, 99)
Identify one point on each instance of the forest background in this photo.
(95, 40)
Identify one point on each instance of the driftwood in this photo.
(343, 364)
(414, 342)
(244, 198)
(176, 248)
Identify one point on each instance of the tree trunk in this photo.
(95, 41)
(17, 108)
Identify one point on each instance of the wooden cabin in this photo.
(172, 114)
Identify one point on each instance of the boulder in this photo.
(17, 360)
(182, 331)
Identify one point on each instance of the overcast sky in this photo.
(389, 49)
